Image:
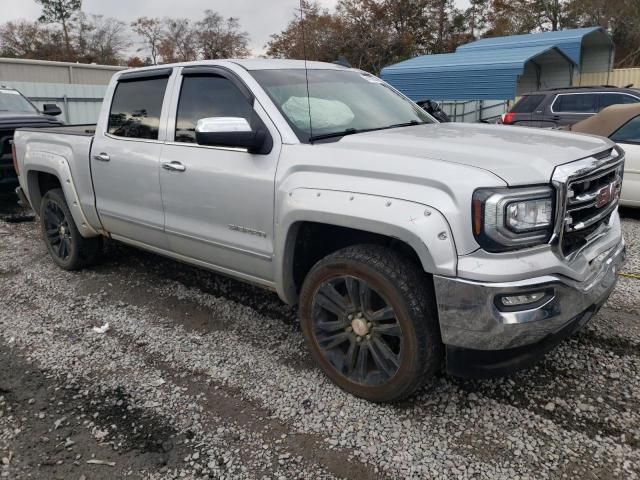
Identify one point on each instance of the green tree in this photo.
(60, 12)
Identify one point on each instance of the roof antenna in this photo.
(306, 70)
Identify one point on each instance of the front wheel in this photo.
(368, 315)
(67, 247)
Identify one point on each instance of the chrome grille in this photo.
(588, 194)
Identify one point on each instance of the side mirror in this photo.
(51, 109)
(233, 132)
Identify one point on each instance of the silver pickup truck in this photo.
(407, 244)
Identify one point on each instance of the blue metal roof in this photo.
(465, 75)
(569, 41)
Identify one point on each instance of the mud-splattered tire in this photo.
(368, 315)
(68, 249)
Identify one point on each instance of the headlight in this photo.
(510, 218)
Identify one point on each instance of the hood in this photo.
(22, 119)
(518, 155)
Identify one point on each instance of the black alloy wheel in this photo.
(68, 249)
(357, 330)
(57, 231)
(368, 315)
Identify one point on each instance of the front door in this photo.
(219, 201)
(125, 161)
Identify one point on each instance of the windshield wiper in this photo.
(351, 131)
(342, 133)
(405, 124)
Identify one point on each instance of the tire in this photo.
(68, 249)
(362, 346)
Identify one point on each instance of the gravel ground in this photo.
(202, 376)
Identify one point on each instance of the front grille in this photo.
(592, 196)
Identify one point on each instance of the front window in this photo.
(338, 102)
(12, 101)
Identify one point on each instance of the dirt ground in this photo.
(200, 376)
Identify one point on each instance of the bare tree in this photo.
(179, 43)
(221, 38)
(151, 30)
(108, 40)
(60, 12)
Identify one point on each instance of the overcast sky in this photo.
(260, 18)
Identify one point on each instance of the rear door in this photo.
(125, 159)
(569, 108)
(628, 136)
(219, 204)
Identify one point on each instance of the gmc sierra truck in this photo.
(407, 244)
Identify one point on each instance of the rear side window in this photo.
(205, 97)
(527, 104)
(575, 103)
(629, 132)
(135, 109)
(608, 99)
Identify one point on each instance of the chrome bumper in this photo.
(471, 316)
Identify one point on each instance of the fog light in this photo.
(524, 299)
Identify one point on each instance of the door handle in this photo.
(103, 157)
(174, 166)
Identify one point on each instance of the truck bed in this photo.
(87, 130)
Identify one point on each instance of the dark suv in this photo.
(16, 111)
(566, 106)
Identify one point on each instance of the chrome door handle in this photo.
(174, 166)
(103, 157)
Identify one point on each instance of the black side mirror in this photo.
(51, 109)
(233, 132)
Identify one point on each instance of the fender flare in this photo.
(420, 226)
(37, 161)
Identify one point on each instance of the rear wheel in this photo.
(66, 246)
(368, 315)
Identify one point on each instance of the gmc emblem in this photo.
(607, 194)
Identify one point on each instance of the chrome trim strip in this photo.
(209, 147)
(252, 253)
(585, 93)
(131, 139)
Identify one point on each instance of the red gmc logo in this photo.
(607, 194)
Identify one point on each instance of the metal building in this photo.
(590, 48)
(78, 89)
(502, 68)
(481, 75)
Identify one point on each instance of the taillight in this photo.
(15, 157)
(507, 118)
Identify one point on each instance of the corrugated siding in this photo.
(20, 70)
(619, 77)
(597, 53)
(79, 103)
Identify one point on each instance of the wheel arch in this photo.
(54, 172)
(336, 219)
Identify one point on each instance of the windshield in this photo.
(341, 102)
(12, 101)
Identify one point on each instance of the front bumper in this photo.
(471, 318)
